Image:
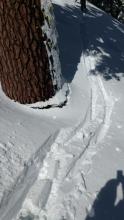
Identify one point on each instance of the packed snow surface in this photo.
(67, 163)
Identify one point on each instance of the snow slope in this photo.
(54, 163)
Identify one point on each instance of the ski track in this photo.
(56, 193)
(25, 181)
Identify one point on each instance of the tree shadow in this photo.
(69, 42)
(107, 205)
(94, 33)
(106, 41)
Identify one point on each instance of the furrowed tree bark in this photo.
(24, 63)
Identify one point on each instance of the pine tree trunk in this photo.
(24, 62)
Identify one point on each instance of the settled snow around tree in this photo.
(66, 163)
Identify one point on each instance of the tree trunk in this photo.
(26, 68)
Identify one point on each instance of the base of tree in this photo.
(60, 99)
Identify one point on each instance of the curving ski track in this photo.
(57, 191)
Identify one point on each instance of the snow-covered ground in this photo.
(67, 163)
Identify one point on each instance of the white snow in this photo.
(67, 163)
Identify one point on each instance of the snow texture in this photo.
(67, 163)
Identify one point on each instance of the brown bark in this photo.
(24, 64)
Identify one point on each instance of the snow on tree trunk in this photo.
(29, 59)
(49, 29)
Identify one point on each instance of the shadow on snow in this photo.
(94, 33)
(107, 206)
